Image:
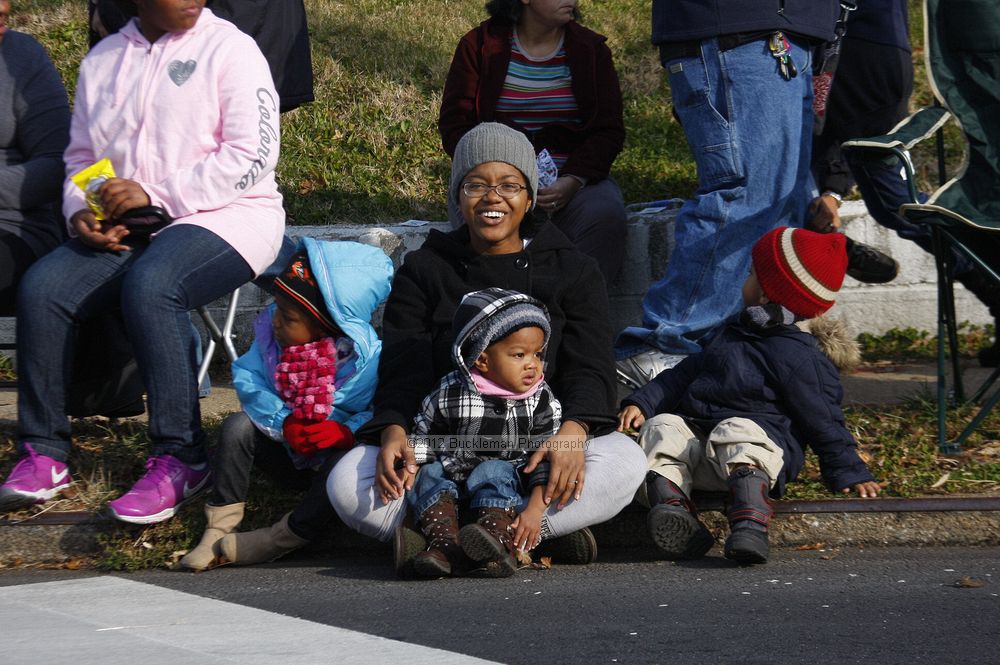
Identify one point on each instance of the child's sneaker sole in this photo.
(678, 533)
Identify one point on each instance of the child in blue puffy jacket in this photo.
(305, 386)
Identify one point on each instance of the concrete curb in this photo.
(60, 537)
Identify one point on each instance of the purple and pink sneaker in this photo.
(34, 479)
(159, 494)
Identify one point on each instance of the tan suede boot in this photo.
(260, 545)
(220, 520)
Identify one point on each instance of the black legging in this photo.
(241, 447)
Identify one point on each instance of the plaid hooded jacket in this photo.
(499, 428)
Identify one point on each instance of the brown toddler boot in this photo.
(749, 514)
(219, 521)
(490, 541)
(443, 555)
(261, 545)
(673, 521)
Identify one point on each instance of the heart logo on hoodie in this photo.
(180, 72)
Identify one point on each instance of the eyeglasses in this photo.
(477, 190)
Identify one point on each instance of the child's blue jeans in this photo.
(492, 484)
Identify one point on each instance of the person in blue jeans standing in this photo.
(740, 78)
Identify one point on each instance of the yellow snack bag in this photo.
(90, 180)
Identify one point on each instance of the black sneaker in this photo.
(867, 264)
(577, 548)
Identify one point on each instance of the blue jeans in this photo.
(155, 285)
(492, 484)
(750, 131)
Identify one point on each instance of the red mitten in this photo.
(296, 434)
(307, 437)
(329, 434)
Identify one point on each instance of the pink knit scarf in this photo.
(304, 377)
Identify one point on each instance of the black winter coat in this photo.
(776, 377)
(417, 335)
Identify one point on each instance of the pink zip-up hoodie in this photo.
(193, 118)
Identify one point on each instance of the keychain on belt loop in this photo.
(779, 47)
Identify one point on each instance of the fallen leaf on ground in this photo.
(809, 546)
(543, 563)
(969, 583)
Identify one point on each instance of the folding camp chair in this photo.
(962, 48)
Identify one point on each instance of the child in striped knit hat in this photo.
(737, 416)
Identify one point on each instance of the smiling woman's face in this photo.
(494, 222)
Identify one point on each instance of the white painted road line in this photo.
(109, 620)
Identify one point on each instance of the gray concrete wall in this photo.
(908, 301)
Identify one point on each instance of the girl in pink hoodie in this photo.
(183, 105)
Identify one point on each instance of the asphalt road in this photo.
(849, 606)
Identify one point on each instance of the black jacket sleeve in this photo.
(406, 367)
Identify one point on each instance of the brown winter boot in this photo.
(491, 541)
(261, 545)
(749, 514)
(439, 524)
(219, 521)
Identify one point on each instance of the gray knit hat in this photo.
(488, 316)
(494, 142)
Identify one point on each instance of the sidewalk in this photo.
(797, 524)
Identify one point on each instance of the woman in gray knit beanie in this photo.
(494, 181)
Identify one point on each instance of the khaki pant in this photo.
(675, 452)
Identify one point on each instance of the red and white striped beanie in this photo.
(801, 270)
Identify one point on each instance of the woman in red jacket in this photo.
(532, 67)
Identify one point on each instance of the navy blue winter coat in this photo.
(778, 378)
(686, 20)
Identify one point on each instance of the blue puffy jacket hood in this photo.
(354, 280)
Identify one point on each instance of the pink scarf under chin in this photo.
(487, 387)
(304, 377)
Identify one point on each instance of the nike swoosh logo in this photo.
(186, 490)
(58, 477)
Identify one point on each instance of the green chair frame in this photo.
(962, 47)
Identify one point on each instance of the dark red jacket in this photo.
(475, 82)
